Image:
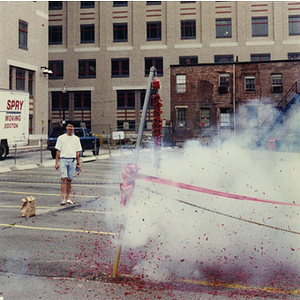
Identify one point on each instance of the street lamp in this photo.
(64, 91)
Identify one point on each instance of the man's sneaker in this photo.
(63, 202)
(70, 201)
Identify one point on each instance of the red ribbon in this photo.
(207, 191)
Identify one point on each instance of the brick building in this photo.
(216, 101)
(102, 50)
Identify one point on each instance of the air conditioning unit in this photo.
(276, 88)
(223, 89)
(125, 125)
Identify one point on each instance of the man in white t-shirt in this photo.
(68, 148)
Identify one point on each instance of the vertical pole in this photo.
(108, 143)
(41, 150)
(15, 154)
(137, 150)
(233, 87)
(120, 142)
(143, 118)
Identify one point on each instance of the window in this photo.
(225, 117)
(156, 62)
(205, 117)
(119, 3)
(252, 116)
(87, 34)
(60, 101)
(260, 57)
(55, 5)
(120, 32)
(249, 83)
(223, 83)
(153, 31)
(23, 34)
(87, 4)
(126, 99)
(120, 67)
(294, 55)
(153, 2)
(223, 59)
(87, 68)
(125, 125)
(57, 67)
(181, 116)
(55, 35)
(142, 100)
(276, 81)
(294, 25)
(180, 83)
(82, 100)
(20, 80)
(185, 60)
(188, 29)
(30, 83)
(10, 77)
(259, 26)
(223, 28)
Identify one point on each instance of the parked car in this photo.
(87, 139)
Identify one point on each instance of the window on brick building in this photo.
(188, 60)
(276, 82)
(82, 100)
(87, 68)
(205, 117)
(57, 67)
(295, 55)
(156, 62)
(59, 101)
(260, 57)
(181, 116)
(153, 2)
(23, 34)
(55, 35)
(120, 67)
(294, 25)
(259, 26)
(223, 83)
(250, 83)
(123, 125)
(153, 31)
(252, 116)
(223, 59)
(223, 28)
(188, 29)
(125, 99)
(142, 99)
(180, 83)
(53, 5)
(87, 33)
(225, 117)
(87, 4)
(120, 32)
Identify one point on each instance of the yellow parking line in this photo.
(43, 194)
(58, 229)
(96, 212)
(241, 287)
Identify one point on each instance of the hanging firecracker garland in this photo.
(157, 125)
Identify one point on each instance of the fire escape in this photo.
(271, 121)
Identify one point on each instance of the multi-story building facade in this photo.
(102, 51)
(23, 54)
(251, 100)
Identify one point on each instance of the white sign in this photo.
(118, 135)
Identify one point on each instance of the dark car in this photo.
(87, 139)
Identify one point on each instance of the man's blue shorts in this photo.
(67, 168)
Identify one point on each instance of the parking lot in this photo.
(76, 241)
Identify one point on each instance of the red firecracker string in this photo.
(157, 125)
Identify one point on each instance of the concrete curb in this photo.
(24, 167)
(5, 169)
